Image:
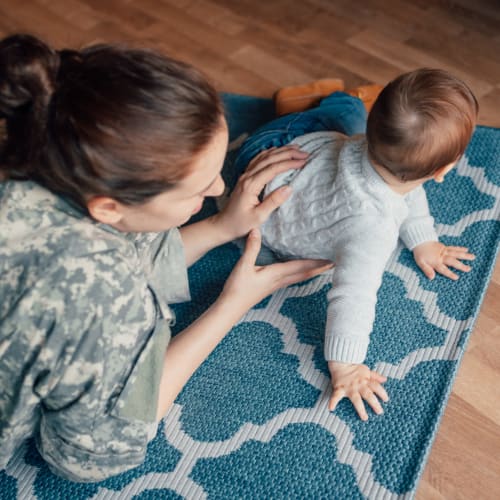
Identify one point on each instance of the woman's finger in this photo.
(256, 182)
(272, 202)
(303, 276)
(295, 271)
(256, 159)
(275, 155)
(252, 248)
(259, 156)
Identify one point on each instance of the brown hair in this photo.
(420, 122)
(106, 120)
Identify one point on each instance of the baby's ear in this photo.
(105, 209)
(440, 173)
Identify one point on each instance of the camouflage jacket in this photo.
(84, 324)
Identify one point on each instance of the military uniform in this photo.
(84, 324)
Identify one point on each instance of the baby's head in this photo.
(421, 122)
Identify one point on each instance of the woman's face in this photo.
(176, 206)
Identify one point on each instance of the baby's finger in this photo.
(357, 402)
(377, 377)
(442, 269)
(457, 249)
(461, 254)
(427, 270)
(372, 400)
(455, 263)
(337, 395)
(379, 391)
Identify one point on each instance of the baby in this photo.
(358, 195)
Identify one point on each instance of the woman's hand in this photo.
(248, 284)
(244, 211)
(433, 256)
(357, 382)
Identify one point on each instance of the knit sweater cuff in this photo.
(345, 349)
(414, 235)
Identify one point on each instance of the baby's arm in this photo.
(362, 251)
(419, 235)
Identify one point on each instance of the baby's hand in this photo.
(357, 382)
(433, 256)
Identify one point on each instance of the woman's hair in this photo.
(420, 122)
(106, 120)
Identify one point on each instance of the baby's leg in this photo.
(338, 112)
(343, 113)
(274, 134)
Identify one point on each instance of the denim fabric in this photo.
(339, 112)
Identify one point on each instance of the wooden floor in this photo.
(257, 46)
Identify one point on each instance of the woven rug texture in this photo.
(253, 423)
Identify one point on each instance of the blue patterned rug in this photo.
(253, 421)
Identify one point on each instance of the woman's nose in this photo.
(217, 187)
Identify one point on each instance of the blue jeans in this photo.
(339, 112)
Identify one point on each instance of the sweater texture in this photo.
(342, 210)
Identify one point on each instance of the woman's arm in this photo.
(247, 285)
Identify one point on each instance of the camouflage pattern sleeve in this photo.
(73, 349)
(164, 262)
(84, 325)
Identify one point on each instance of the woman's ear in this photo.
(104, 209)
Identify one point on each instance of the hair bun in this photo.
(27, 73)
(28, 70)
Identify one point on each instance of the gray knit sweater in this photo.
(342, 210)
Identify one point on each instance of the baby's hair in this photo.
(106, 120)
(420, 122)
